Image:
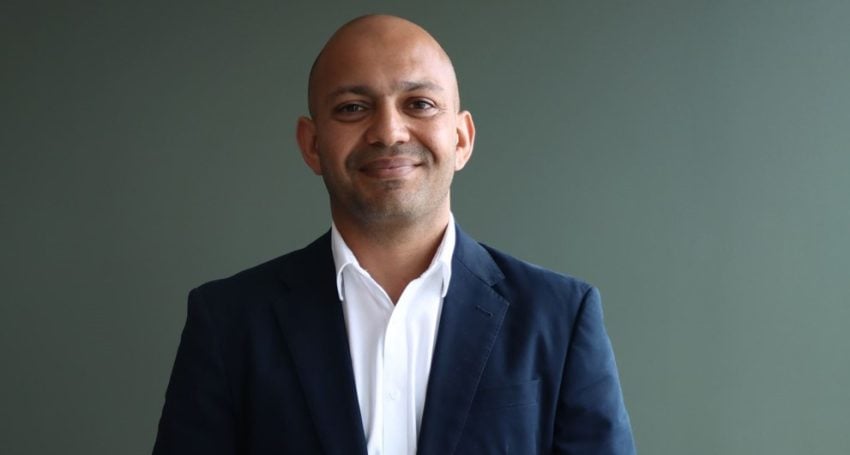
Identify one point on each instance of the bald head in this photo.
(367, 39)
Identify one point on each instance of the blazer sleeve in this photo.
(198, 415)
(591, 417)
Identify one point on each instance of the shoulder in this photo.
(518, 280)
(538, 295)
(531, 278)
(270, 277)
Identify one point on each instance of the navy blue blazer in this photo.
(522, 364)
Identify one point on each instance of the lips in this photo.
(389, 167)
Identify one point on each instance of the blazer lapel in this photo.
(311, 318)
(470, 321)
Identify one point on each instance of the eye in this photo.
(422, 108)
(350, 111)
(421, 105)
(350, 108)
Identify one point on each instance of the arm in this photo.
(591, 417)
(198, 416)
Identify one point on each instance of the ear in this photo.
(465, 139)
(305, 134)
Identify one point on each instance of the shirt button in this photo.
(394, 395)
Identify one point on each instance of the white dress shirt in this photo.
(392, 345)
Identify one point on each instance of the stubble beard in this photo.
(394, 202)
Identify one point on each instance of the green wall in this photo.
(691, 158)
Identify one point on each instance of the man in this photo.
(395, 333)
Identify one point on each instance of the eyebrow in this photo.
(403, 86)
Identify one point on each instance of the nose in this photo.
(387, 128)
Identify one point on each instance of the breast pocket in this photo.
(489, 399)
(504, 420)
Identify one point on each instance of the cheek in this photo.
(344, 132)
(442, 140)
(332, 151)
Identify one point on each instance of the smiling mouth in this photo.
(387, 168)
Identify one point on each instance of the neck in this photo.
(395, 255)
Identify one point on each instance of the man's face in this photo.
(386, 135)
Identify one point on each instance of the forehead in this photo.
(384, 60)
(382, 65)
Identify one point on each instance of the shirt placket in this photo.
(396, 372)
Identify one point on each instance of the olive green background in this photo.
(690, 158)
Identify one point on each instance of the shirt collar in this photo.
(344, 257)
